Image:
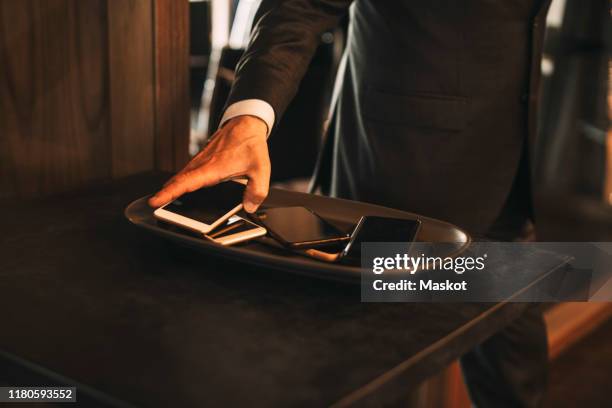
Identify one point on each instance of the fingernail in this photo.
(249, 207)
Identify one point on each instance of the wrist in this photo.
(251, 124)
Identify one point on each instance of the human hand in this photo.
(239, 148)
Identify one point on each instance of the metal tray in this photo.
(266, 253)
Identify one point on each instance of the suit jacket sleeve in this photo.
(284, 38)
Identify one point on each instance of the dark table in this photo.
(88, 299)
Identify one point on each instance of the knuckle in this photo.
(181, 178)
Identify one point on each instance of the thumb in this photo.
(256, 191)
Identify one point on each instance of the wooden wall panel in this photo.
(172, 83)
(132, 110)
(53, 98)
(89, 90)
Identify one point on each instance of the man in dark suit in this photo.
(434, 115)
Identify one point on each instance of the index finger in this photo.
(184, 183)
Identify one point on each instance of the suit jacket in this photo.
(435, 98)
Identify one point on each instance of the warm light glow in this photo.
(547, 66)
(555, 13)
(243, 20)
(220, 10)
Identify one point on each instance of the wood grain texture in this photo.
(132, 105)
(568, 323)
(172, 83)
(53, 95)
(84, 95)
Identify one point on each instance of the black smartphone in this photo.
(380, 229)
(205, 209)
(298, 227)
(369, 229)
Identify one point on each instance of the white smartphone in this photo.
(205, 209)
(236, 230)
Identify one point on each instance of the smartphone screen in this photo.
(208, 204)
(234, 225)
(380, 229)
(298, 226)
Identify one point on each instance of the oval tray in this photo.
(265, 252)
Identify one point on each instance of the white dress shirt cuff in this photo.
(253, 107)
